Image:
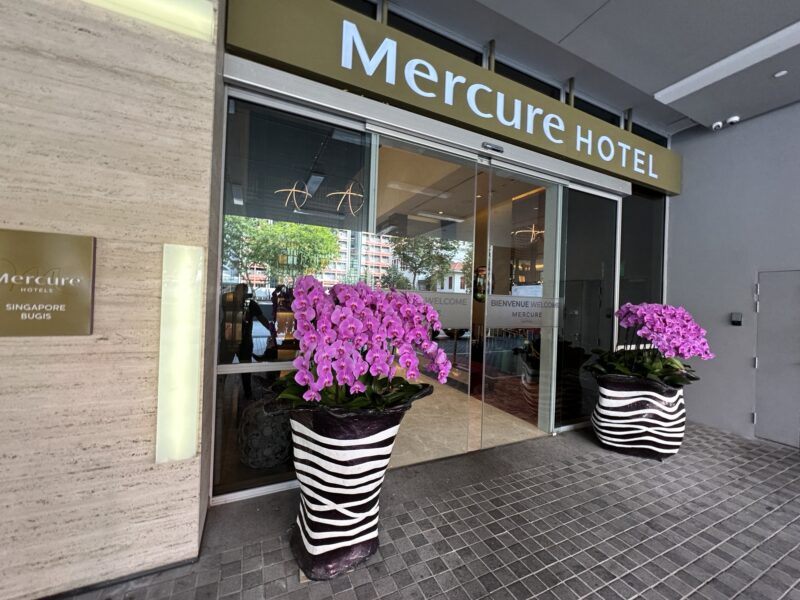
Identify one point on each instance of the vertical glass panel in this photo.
(425, 226)
(296, 201)
(251, 434)
(642, 250)
(587, 323)
(518, 329)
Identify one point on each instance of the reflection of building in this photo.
(362, 257)
(257, 276)
(455, 280)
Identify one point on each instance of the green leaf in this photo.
(285, 395)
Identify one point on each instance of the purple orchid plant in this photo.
(658, 337)
(360, 347)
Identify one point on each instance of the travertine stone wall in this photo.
(105, 130)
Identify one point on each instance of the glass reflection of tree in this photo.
(424, 256)
(285, 250)
(394, 278)
(238, 235)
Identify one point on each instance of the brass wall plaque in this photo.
(323, 40)
(46, 283)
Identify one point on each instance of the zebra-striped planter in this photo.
(639, 415)
(340, 458)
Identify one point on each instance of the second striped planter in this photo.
(639, 415)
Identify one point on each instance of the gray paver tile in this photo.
(713, 520)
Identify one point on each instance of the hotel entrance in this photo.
(488, 242)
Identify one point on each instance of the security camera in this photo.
(717, 126)
(733, 120)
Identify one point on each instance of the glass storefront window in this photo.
(587, 282)
(642, 251)
(296, 201)
(305, 196)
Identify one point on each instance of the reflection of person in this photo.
(239, 311)
(282, 316)
(281, 300)
(250, 311)
(479, 285)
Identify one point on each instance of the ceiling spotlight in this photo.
(733, 120)
(779, 74)
(717, 125)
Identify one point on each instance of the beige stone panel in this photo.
(44, 384)
(107, 131)
(93, 564)
(138, 494)
(121, 124)
(69, 446)
(69, 495)
(81, 554)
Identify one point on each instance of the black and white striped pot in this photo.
(340, 458)
(639, 415)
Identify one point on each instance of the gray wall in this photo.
(739, 214)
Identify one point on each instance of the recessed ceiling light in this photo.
(779, 74)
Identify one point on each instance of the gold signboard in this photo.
(326, 41)
(46, 283)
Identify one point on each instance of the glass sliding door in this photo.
(425, 212)
(519, 306)
(588, 282)
(308, 196)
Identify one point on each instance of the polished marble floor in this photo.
(446, 423)
(553, 518)
(450, 422)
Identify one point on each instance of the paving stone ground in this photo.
(718, 521)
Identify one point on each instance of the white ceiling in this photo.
(623, 52)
